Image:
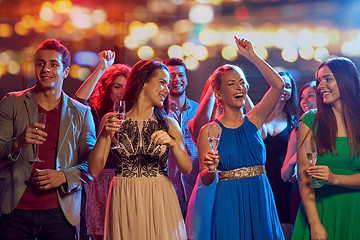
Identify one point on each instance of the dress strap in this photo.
(221, 125)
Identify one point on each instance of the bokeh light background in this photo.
(292, 35)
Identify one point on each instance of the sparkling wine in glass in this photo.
(119, 109)
(213, 137)
(39, 118)
(311, 155)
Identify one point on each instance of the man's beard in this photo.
(177, 93)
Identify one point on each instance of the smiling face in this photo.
(233, 90)
(49, 69)
(327, 86)
(179, 80)
(117, 88)
(308, 99)
(157, 88)
(287, 91)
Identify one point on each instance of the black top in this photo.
(276, 148)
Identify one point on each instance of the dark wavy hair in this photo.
(140, 73)
(348, 81)
(54, 44)
(100, 98)
(291, 105)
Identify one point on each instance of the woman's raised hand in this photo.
(245, 47)
(110, 123)
(107, 58)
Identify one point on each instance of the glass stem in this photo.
(37, 151)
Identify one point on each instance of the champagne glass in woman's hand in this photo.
(213, 136)
(311, 155)
(39, 118)
(119, 109)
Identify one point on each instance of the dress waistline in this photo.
(129, 174)
(243, 172)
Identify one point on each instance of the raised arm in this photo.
(308, 194)
(288, 168)
(106, 60)
(262, 110)
(250, 105)
(203, 113)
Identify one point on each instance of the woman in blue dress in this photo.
(244, 206)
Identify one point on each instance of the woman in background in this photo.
(279, 125)
(307, 102)
(331, 211)
(104, 86)
(288, 170)
(142, 203)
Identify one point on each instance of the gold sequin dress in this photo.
(142, 203)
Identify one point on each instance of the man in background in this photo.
(182, 109)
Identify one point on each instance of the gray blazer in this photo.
(76, 139)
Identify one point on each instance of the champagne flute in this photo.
(311, 155)
(39, 118)
(213, 137)
(119, 109)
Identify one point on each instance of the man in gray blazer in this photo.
(42, 199)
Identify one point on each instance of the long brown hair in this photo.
(348, 81)
(142, 72)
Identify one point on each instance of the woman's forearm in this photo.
(288, 168)
(181, 159)
(98, 155)
(206, 177)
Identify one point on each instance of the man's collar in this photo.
(173, 105)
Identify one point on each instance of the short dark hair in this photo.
(54, 44)
(175, 62)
